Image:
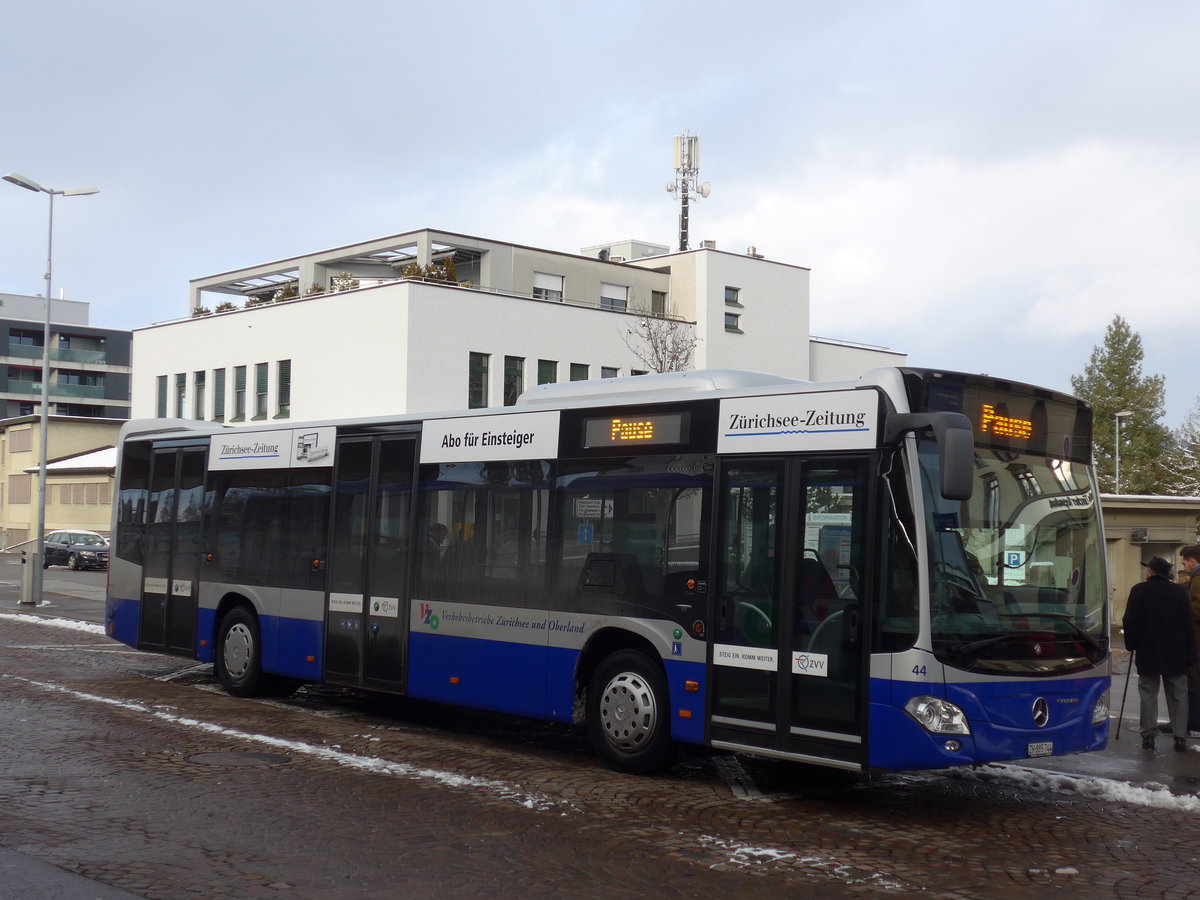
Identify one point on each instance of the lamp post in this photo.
(1117, 446)
(36, 580)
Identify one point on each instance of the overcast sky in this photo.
(982, 185)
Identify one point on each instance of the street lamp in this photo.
(1117, 447)
(36, 580)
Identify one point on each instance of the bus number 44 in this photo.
(919, 670)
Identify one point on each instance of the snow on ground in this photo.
(52, 622)
(1149, 794)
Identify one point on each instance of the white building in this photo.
(307, 348)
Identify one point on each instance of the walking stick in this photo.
(1124, 694)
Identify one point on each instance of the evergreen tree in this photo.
(1185, 457)
(1113, 382)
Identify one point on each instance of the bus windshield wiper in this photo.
(1088, 639)
(966, 649)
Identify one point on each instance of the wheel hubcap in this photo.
(628, 711)
(236, 651)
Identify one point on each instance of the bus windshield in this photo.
(1016, 582)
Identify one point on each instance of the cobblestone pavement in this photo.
(135, 772)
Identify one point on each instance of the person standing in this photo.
(1189, 577)
(1159, 631)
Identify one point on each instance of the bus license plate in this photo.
(1041, 748)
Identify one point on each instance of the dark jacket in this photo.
(1158, 627)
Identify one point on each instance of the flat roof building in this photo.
(90, 367)
(433, 320)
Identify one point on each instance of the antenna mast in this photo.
(687, 170)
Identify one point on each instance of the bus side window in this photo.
(483, 525)
(642, 520)
(896, 620)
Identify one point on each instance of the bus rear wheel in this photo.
(627, 719)
(239, 653)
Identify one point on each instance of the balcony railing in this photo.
(26, 351)
(90, 391)
(100, 357)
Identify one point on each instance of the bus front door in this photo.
(788, 651)
(366, 619)
(174, 526)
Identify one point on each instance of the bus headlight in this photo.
(938, 716)
(1100, 710)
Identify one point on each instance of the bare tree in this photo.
(664, 342)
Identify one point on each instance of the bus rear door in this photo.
(788, 652)
(174, 534)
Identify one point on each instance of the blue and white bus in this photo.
(899, 572)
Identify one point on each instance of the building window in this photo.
(614, 296)
(732, 321)
(609, 372)
(733, 296)
(17, 373)
(283, 387)
(180, 394)
(26, 409)
(239, 393)
(547, 286)
(477, 381)
(658, 303)
(637, 371)
(514, 378)
(80, 409)
(1026, 480)
(579, 372)
(161, 408)
(218, 395)
(547, 371)
(198, 379)
(82, 379)
(260, 390)
(21, 338)
(19, 488)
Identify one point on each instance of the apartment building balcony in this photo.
(57, 391)
(90, 357)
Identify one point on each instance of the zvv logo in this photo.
(428, 618)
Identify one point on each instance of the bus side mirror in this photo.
(955, 442)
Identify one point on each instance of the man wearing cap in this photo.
(1158, 629)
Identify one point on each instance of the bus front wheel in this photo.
(627, 719)
(239, 653)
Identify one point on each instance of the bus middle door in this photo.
(788, 637)
(365, 624)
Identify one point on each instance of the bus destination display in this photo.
(1009, 419)
(626, 430)
(993, 422)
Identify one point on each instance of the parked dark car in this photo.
(75, 550)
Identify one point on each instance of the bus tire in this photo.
(627, 713)
(239, 653)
